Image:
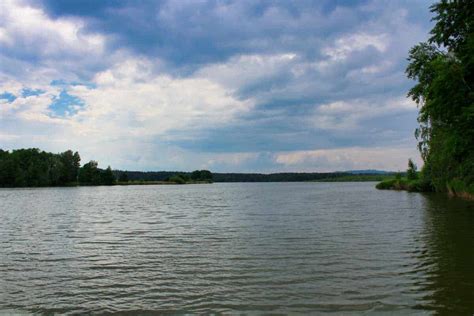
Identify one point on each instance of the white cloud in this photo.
(344, 46)
(30, 28)
(36, 48)
(352, 158)
(347, 115)
(233, 159)
(128, 105)
(248, 69)
(130, 96)
(33, 108)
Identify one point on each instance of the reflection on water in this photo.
(244, 248)
(447, 252)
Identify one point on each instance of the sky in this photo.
(229, 86)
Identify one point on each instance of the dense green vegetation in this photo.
(197, 176)
(163, 177)
(204, 175)
(90, 174)
(34, 168)
(358, 178)
(444, 70)
(417, 185)
(410, 181)
(144, 176)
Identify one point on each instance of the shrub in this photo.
(411, 171)
(177, 179)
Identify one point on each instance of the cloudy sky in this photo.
(255, 86)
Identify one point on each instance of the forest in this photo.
(35, 168)
(368, 175)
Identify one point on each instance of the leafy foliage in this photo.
(177, 179)
(411, 171)
(201, 175)
(34, 168)
(414, 185)
(151, 176)
(444, 70)
(123, 177)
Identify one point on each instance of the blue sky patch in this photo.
(10, 97)
(65, 104)
(64, 83)
(27, 92)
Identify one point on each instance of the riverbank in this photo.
(460, 189)
(454, 188)
(117, 183)
(142, 182)
(405, 185)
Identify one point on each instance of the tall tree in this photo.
(70, 166)
(444, 70)
(90, 173)
(107, 176)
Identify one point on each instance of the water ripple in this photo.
(273, 248)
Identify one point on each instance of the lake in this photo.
(252, 248)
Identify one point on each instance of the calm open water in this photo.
(254, 248)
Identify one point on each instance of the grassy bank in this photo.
(416, 185)
(455, 187)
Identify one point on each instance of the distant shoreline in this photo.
(337, 176)
(159, 182)
(138, 183)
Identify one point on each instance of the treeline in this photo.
(178, 177)
(297, 177)
(274, 177)
(204, 175)
(444, 70)
(35, 168)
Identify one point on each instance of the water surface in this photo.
(253, 248)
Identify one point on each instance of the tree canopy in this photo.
(444, 70)
(35, 168)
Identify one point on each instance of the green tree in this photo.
(90, 174)
(201, 175)
(196, 175)
(70, 166)
(107, 176)
(398, 176)
(444, 70)
(411, 171)
(32, 168)
(123, 177)
(7, 169)
(177, 179)
(206, 175)
(55, 171)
